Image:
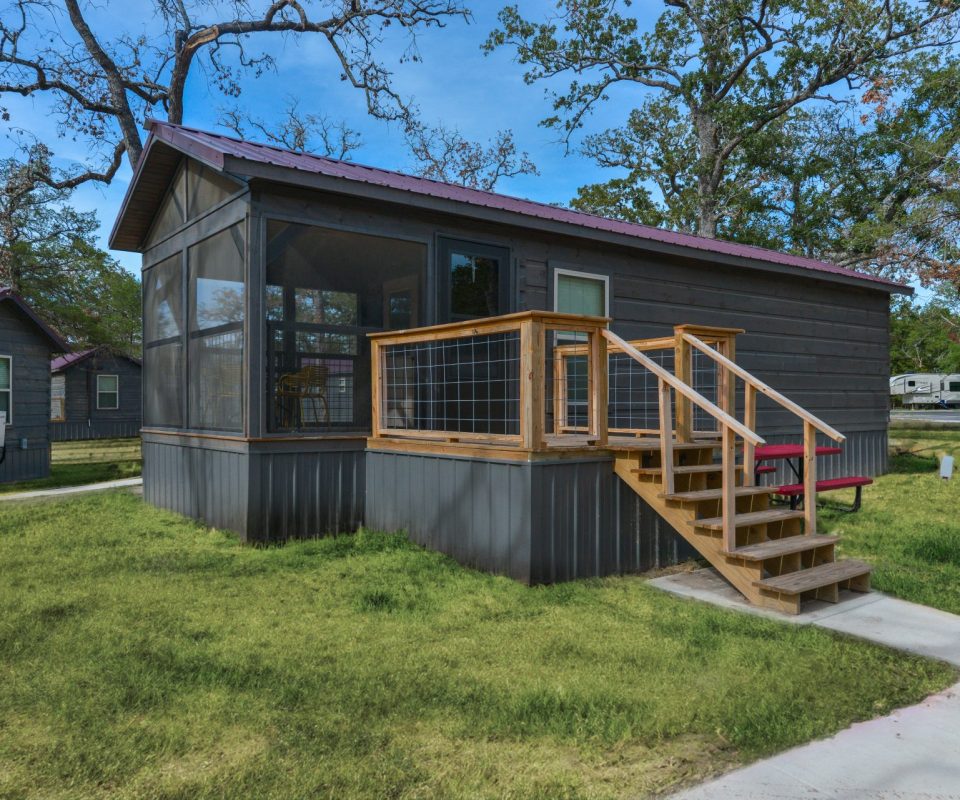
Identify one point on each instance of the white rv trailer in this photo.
(917, 388)
(950, 389)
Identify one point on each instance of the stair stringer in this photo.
(741, 575)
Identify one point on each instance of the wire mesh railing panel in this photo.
(463, 385)
(633, 400)
(705, 379)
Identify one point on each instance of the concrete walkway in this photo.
(912, 754)
(123, 483)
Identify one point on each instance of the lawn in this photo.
(74, 463)
(909, 527)
(144, 656)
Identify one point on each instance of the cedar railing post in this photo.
(809, 478)
(728, 483)
(683, 368)
(531, 384)
(377, 357)
(599, 385)
(750, 420)
(666, 438)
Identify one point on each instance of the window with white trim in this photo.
(6, 387)
(108, 392)
(581, 293)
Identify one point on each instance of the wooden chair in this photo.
(306, 385)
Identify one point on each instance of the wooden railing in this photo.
(522, 423)
(811, 424)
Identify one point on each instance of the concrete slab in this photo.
(68, 490)
(911, 754)
(874, 616)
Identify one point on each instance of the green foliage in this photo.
(828, 128)
(908, 527)
(48, 252)
(146, 656)
(924, 337)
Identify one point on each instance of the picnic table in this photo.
(792, 454)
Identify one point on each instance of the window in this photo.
(6, 387)
(58, 398)
(911, 384)
(473, 281)
(325, 290)
(163, 344)
(108, 392)
(215, 357)
(581, 293)
(954, 386)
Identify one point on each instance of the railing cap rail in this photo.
(517, 317)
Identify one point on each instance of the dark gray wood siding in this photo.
(27, 439)
(83, 419)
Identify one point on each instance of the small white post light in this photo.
(946, 467)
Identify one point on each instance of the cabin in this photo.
(329, 345)
(26, 345)
(94, 394)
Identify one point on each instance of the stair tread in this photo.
(716, 494)
(815, 577)
(749, 518)
(774, 548)
(687, 469)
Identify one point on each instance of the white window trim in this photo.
(9, 391)
(108, 408)
(573, 273)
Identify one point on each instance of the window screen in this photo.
(325, 291)
(6, 387)
(579, 294)
(206, 188)
(215, 360)
(108, 392)
(172, 213)
(163, 343)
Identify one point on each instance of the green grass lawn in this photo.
(143, 656)
(75, 463)
(909, 527)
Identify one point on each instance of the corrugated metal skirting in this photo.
(82, 431)
(538, 523)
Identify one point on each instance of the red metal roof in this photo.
(69, 359)
(213, 147)
(6, 293)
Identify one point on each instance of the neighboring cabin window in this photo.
(163, 343)
(215, 357)
(325, 290)
(6, 387)
(108, 392)
(58, 398)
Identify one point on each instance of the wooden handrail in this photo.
(764, 389)
(682, 388)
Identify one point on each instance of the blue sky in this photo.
(455, 83)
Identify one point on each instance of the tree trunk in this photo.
(708, 148)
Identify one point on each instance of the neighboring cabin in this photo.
(27, 344)
(264, 270)
(95, 394)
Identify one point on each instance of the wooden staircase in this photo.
(704, 488)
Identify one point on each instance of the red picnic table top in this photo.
(769, 452)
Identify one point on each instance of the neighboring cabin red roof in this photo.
(214, 147)
(69, 359)
(6, 293)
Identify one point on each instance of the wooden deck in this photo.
(544, 381)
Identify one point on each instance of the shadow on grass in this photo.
(907, 463)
